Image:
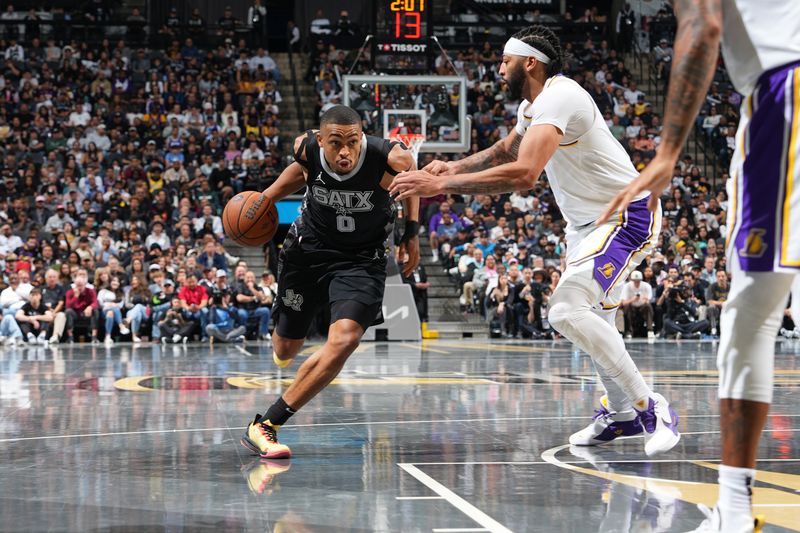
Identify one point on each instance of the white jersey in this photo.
(590, 167)
(759, 35)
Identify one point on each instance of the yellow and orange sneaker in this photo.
(262, 439)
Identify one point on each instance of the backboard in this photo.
(435, 106)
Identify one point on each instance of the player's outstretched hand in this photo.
(415, 183)
(437, 168)
(654, 178)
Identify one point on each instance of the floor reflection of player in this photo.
(629, 508)
(334, 256)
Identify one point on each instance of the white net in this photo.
(413, 142)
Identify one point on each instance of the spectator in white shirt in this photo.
(635, 303)
(263, 60)
(210, 218)
(56, 222)
(632, 94)
(321, 25)
(157, 237)
(8, 241)
(253, 154)
(79, 117)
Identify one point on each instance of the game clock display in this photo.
(402, 35)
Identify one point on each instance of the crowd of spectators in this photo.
(115, 161)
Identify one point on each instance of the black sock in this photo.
(278, 413)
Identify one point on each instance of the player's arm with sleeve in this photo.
(293, 177)
(693, 64)
(401, 160)
(550, 114)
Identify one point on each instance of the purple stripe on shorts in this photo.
(755, 239)
(632, 236)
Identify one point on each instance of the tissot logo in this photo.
(402, 47)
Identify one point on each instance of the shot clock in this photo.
(401, 35)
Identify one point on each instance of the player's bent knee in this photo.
(560, 316)
(345, 342)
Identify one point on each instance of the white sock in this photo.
(735, 496)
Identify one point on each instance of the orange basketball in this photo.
(250, 218)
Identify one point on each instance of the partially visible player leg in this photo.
(349, 321)
(750, 319)
(571, 314)
(616, 416)
(284, 349)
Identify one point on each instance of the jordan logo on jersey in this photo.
(754, 245)
(319, 178)
(352, 201)
(292, 300)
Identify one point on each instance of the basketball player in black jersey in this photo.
(333, 255)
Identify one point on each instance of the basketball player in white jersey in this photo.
(561, 130)
(761, 47)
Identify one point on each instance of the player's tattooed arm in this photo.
(502, 152)
(293, 177)
(695, 58)
(538, 145)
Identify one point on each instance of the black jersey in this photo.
(350, 211)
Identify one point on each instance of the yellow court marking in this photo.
(782, 505)
(498, 347)
(780, 479)
(132, 384)
(262, 383)
(424, 346)
(361, 348)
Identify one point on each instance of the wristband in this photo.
(411, 231)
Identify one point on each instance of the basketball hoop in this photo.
(413, 141)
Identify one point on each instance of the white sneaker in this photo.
(123, 329)
(42, 338)
(603, 428)
(651, 336)
(3, 340)
(12, 342)
(109, 341)
(713, 523)
(266, 337)
(176, 338)
(31, 338)
(136, 339)
(53, 340)
(660, 424)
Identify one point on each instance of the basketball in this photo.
(250, 218)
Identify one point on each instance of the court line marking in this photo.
(419, 498)
(372, 423)
(489, 523)
(595, 461)
(241, 349)
(457, 529)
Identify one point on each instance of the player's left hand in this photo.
(654, 178)
(412, 248)
(416, 183)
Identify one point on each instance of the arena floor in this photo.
(447, 436)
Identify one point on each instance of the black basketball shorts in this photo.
(311, 275)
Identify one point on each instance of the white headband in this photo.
(515, 47)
